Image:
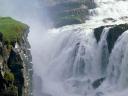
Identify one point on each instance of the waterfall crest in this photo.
(81, 66)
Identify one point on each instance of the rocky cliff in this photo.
(15, 58)
(67, 12)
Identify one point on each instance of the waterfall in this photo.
(103, 51)
(109, 9)
(81, 66)
(118, 63)
(68, 61)
(83, 61)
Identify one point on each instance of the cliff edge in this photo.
(15, 58)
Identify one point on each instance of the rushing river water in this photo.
(68, 60)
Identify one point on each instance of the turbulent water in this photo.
(74, 61)
(68, 61)
(74, 64)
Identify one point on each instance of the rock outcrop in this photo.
(70, 12)
(15, 58)
(113, 34)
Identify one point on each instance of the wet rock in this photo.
(98, 82)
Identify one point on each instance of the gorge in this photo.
(74, 58)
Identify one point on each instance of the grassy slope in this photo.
(11, 29)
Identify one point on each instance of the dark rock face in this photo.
(15, 67)
(2, 83)
(1, 37)
(15, 64)
(97, 82)
(113, 34)
(98, 32)
(8, 80)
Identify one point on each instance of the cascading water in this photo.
(117, 69)
(78, 65)
(109, 9)
(83, 62)
(103, 51)
(69, 61)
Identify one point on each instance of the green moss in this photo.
(11, 29)
(8, 76)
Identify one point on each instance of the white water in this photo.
(76, 60)
(110, 9)
(68, 59)
(82, 62)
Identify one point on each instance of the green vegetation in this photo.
(11, 29)
(8, 76)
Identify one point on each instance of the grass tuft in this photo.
(11, 29)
